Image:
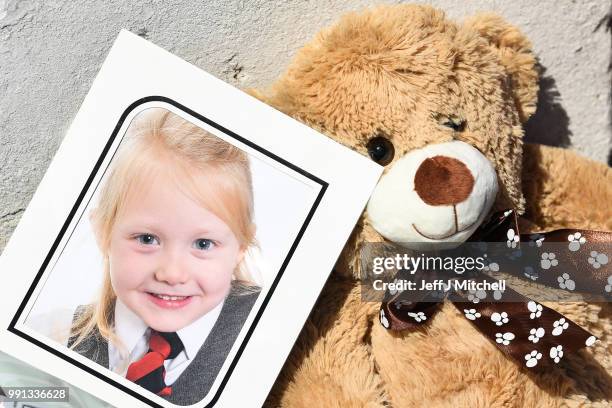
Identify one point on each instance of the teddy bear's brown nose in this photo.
(442, 180)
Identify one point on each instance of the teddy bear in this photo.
(402, 84)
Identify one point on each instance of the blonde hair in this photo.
(158, 134)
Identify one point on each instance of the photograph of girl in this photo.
(174, 224)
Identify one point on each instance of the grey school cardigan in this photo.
(195, 382)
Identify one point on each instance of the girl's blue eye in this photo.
(203, 244)
(147, 239)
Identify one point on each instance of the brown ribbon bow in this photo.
(531, 333)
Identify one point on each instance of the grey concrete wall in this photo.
(51, 50)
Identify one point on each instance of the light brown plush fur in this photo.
(399, 71)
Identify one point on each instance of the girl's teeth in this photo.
(164, 297)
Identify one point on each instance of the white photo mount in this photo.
(137, 75)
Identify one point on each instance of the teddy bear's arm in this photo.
(565, 190)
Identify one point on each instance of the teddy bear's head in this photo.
(439, 104)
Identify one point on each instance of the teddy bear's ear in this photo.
(514, 50)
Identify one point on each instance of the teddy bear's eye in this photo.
(381, 150)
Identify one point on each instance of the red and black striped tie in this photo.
(149, 372)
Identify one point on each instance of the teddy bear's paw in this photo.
(500, 318)
(471, 314)
(497, 294)
(513, 238)
(548, 260)
(559, 326)
(418, 316)
(532, 358)
(597, 259)
(504, 338)
(535, 309)
(565, 282)
(536, 334)
(556, 353)
(575, 241)
(476, 296)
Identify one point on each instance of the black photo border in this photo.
(78, 202)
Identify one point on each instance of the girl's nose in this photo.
(170, 270)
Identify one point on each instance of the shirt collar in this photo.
(129, 327)
(194, 335)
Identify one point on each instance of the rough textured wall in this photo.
(50, 51)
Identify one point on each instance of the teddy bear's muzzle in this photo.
(434, 195)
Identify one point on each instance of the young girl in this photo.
(173, 222)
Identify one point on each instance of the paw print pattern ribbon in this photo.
(532, 334)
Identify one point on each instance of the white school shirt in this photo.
(134, 335)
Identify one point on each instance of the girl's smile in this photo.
(169, 301)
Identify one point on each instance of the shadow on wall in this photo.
(550, 123)
(606, 23)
